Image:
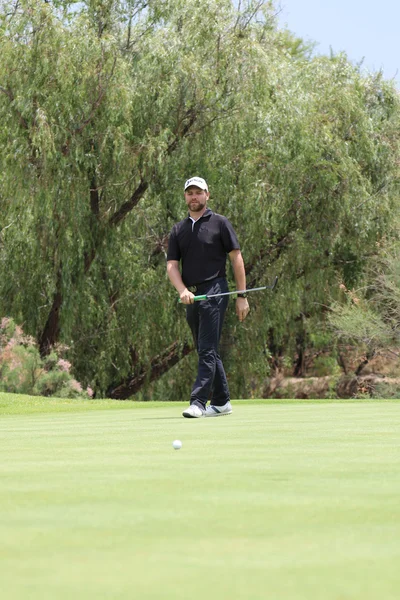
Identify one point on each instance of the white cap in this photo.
(198, 182)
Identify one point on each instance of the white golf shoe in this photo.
(193, 412)
(218, 411)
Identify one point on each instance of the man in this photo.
(201, 242)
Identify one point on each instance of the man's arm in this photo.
(242, 306)
(175, 278)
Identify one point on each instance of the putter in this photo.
(207, 296)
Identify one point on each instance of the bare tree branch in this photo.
(159, 365)
(129, 205)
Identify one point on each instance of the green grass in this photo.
(280, 500)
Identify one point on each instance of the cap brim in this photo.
(200, 187)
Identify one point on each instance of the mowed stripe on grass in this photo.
(291, 501)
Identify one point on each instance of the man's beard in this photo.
(198, 206)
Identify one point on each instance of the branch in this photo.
(12, 14)
(129, 205)
(159, 365)
(250, 16)
(132, 17)
(192, 117)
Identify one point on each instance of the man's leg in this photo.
(220, 398)
(207, 349)
(192, 318)
(195, 409)
(220, 391)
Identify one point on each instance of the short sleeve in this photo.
(174, 252)
(228, 236)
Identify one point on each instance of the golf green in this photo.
(280, 500)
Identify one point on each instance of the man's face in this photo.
(196, 199)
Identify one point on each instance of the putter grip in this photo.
(196, 298)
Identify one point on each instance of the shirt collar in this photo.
(207, 213)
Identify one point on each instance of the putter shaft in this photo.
(265, 287)
(234, 292)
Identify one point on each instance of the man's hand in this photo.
(242, 308)
(187, 297)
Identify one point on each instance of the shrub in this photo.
(23, 371)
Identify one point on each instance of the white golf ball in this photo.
(177, 444)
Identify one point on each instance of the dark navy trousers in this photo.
(205, 319)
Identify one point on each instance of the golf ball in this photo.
(177, 444)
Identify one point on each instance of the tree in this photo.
(107, 106)
(369, 317)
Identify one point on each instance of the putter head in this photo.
(273, 286)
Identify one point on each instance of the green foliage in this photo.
(326, 365)
(360, 325)
(371, 316)
(390, 391)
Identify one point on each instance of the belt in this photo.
(200, 286)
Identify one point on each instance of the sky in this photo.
(366, 30)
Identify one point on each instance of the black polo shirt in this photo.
(202, 246)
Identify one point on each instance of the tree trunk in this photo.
(51, 329)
